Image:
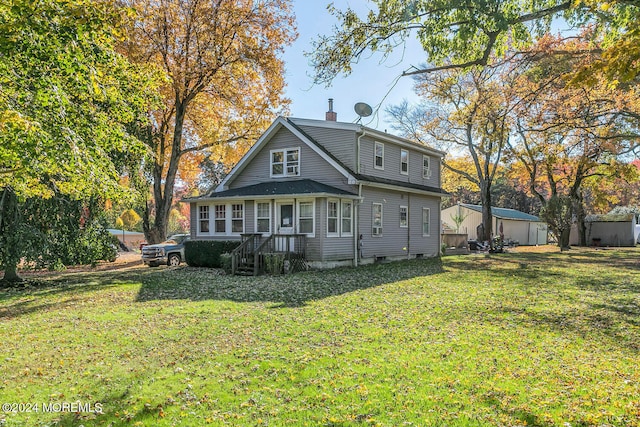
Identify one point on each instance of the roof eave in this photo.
(278, 196)
(402, 188)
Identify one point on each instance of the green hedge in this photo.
(206, 253)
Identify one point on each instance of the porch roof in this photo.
(301, 187)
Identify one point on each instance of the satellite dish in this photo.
(362, 109)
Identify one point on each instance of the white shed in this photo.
(517, 226)
(609, 230)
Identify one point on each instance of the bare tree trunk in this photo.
(11, 274)
(9, 243)
(487, 217)
(564, 239)
(580, 221)
(163, 185)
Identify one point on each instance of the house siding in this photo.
(399, 241)
(392, 163)
(341, 143)
(334, 248)
(312, 166)
(420, 244)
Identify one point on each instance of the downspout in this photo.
(356, 226)
(356, 213)
(364, 132)
(408, 225)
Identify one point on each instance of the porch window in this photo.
(426, 166)
(404, 162)
(378, 156)
(203, 219)
(426, 220)
(404, 216)
(305, 217)
(220, 219)
(376, 220)
(339, 218)
(263, 217)
(285, 162)
(347, 218)
(237, 218)
(332, 217)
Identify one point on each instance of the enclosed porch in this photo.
(296, 223)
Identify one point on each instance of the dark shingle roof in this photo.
(281, 188)
(504, 213)
(378, 180)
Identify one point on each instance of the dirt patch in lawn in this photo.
(125, 260)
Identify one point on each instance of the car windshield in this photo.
(179, 238)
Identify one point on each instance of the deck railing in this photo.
(243, 257)
(249, 257)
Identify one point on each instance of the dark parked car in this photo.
(169, 252)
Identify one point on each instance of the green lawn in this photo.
(537, 339)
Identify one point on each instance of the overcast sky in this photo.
(371, 82)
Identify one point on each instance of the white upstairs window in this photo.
(404, 162)
(378, 156)
(426, 166)
(285, 162)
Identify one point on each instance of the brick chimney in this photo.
(331, 116)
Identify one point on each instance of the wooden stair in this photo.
(248, 259)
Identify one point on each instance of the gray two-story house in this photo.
(337, 193)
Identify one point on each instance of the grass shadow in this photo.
(294, 290)
(34, 294)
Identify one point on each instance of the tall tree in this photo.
(567, 134)
(466, 112)
(65, 96)
(466, 33)
(224, 81)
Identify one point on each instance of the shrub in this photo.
(225, 262)
(206, 253)
(274, 263)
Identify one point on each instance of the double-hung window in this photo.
(426, 166)
(237, 218)
(203, 218)
(263, 217)
(404, 162)
(220, 219)
(339, 218)
(404, 216)
(426, 220)
(305, 217)
(285, 162)
(333, 207)
(347, 218)
(376, 220)
(378, 156)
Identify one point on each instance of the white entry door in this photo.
(285, 220)
(285, 224)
